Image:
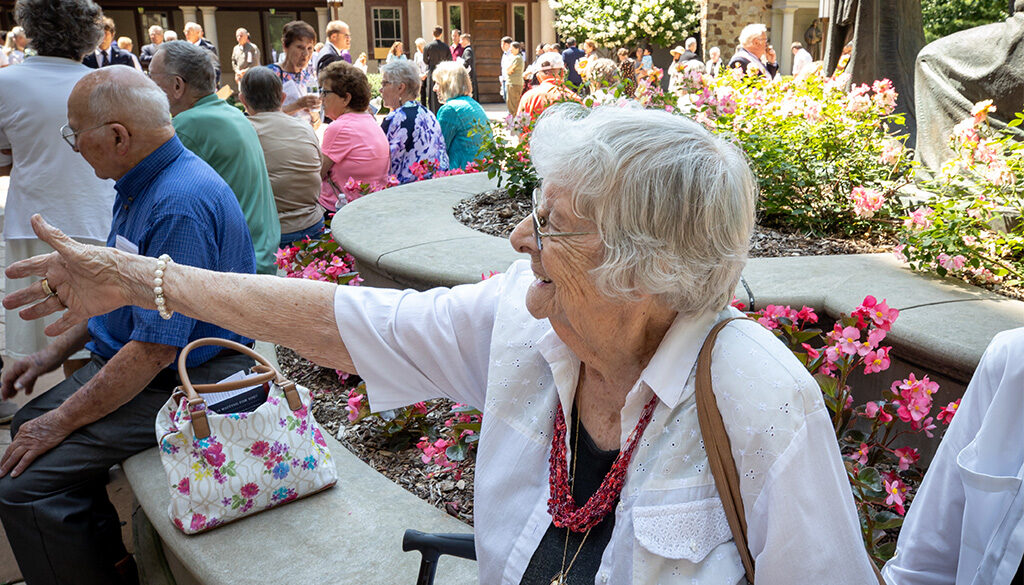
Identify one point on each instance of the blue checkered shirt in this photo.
(174, 203)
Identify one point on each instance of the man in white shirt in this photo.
(506, 61)
(801, 58)
(245, 55)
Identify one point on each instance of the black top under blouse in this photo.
(591, 467)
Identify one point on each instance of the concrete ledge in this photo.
(351, 533)
(407, 237)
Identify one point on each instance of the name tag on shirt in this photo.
(125, 245)
(248, 57)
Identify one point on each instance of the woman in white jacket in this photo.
(966, 525)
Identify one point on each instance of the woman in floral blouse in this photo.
(299, 82)
(414, 134)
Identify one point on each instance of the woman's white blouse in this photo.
(966, 524)
(478, 345)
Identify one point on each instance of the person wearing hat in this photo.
(551, 88)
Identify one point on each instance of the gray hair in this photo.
(714, 50)
(601, 72)
(690, 42)
(194, 65)
(261, 89)
(750, 31)
(170, 35)
(60, 28)
(404, 71)
(156, 29)
(192, 26)
(452, 80)
(129, 97)
(673, 204)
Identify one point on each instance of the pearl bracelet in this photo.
(158, 285)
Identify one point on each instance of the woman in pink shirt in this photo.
(354, 146)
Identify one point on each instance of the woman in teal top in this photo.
(463, 122)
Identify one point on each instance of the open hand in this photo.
(88, 280)
(308, 102)
(35, 437)
(21, 376)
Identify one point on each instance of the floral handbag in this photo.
(222, 467)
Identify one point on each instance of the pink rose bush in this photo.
(962, 232)
(882, 472)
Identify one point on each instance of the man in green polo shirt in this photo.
(220, 135)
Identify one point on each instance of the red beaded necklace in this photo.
(563, 509)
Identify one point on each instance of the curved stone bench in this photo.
(407, 237)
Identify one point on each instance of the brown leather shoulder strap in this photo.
(723, 466)
(716, 445)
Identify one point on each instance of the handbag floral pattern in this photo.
(252, 461)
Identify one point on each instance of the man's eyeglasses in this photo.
(71, 137)
(537, 224)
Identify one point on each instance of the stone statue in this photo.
(886, 36)
(955, 72)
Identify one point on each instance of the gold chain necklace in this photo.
(559, 579)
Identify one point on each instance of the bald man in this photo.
(53, 503)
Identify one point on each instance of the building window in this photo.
(454, 17)
(275, 28)
(387, 28)
(519, 23)
(149, 18)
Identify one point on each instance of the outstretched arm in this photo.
(91, 280)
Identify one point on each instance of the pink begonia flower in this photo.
(871, 409)
(861, 454)
(891, 152)
(811, 352)
(981, 110)
(897, 251)
(876, 360)
(866, 201)
(894, 495)
(850, 343)
(998, 173)
(354, 406)
(875, 336)
(885, 95)
(878, 312)
(946, 412)
(951, 263)
(807, 314)
(908, 456)
(927, 426)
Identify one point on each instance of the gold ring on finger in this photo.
(46, 288)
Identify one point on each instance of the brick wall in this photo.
(722, 21)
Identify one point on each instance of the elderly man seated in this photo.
(292, 153)
(53, 502)
(220, 135)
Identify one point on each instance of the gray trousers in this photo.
(58, 518)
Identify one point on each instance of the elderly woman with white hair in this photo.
(754, 52)
(414, 134)
(601, 76)
(591, 463)
(463, 120)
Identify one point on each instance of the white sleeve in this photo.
(5, 143)
(411, 346)
(804, 528)
(928, 549)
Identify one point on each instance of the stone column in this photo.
(784, 53)
(189, 14)
(210, 26)
(428, 16)
(547, 23)
(322, 17)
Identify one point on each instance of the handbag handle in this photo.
(196, 404)
(720, 460)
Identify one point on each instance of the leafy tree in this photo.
(945, 17)
(625, 22)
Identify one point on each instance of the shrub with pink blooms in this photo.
(971, 229)
(870, 429)
(826, 159)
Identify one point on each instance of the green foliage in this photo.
(945, 17)
(612, 23)
(971, 228)
(507, 157)
(374, 79)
